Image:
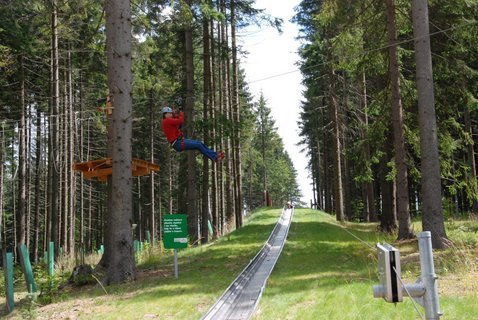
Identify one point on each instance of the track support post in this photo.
(424, 291)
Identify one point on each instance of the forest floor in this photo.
(326, 271)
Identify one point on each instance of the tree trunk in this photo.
(338, 194)
(212, 116)
(152, 194)
(22, 165)
(191, 194)
(81, 159)
(328, 205)
(403, 205)
(70, 152)
(388, 220)
(222, 178)
(236, 121)
(206, 106)
(36, 223)
(470, 152)
(370, 213)
(53, 161)
(228, 204)
(432, 216)
(27, 181)
(118, 231)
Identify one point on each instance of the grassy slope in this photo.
(323, 273)
(204, 273)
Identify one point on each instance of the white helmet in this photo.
(166, 110)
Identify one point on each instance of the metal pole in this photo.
(176, 263)
(429, 278)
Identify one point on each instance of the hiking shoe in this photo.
(220, 155)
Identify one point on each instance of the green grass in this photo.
(324, 272)
(204, 273)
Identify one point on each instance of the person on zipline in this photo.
(172, 130)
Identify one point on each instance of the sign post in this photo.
(175, 235)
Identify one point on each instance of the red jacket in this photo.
(171, 127)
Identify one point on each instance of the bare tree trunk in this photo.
(228, 194)
(222, 179)
(207, 104)
(470, 152)
(403, 205)
(338, 194)
(70, 152)
(36, 225)
(388, 220)
(118, 230)
(28, 180)
(328, 205)
(152, 207)
(370, 213)
(432, 215)
(82, 182)
(63, 198)
(237, 120)
(53, 161)
(22, 166)
(213, 119)
(191, 194)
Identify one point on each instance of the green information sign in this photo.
(175, 231)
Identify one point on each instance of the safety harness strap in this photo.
(181, 136)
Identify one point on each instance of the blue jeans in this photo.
(195, 145)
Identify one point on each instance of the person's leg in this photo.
(190, 144)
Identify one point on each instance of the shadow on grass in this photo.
(317, 253)
(207, 269)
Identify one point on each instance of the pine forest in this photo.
(388, 120)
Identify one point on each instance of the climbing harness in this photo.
(181, 136)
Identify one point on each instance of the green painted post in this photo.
(209, 226)
(51, 261)
(8, 269)
(27, 269)
(136, 245)
(102, 249)
(148, 236)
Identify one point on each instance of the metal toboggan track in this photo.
(241, 298)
